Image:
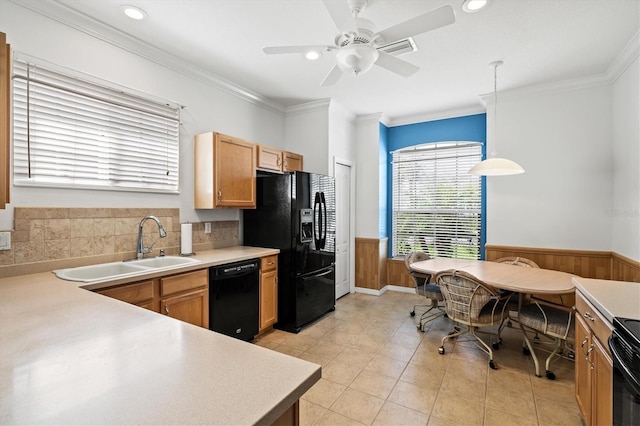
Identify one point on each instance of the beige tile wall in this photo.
(44, 239)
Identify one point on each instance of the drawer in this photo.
(268, 263)
(183, 282)
(599, 325)
(135, 293)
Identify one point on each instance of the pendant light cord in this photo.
(495, 109)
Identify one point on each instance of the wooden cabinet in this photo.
(186, 297)
(276, 160)
(594, 367)
(224, 172)
(291, 162)
(5, 71)
(181, 296)
(268, 291)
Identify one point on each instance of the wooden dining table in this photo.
(503, 275)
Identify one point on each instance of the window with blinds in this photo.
(74, 133)
(436, 203)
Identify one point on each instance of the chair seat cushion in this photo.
(555, 325)
(430, 291)
(489, 315)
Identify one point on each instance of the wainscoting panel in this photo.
(371, 263)
(625, 269)
(397, 273)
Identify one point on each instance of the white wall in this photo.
(625, 208)
(307, 133)
(564, 142)
(367, 175)
(341, 134)
(207, 108)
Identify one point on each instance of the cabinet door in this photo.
(234, 181)
(139, 294)
(4, 121)
(583, 368)
(190, 307)
(602, 385)
(292, 162)
(268, 298)
(269, 158)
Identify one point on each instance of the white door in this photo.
(343, 207)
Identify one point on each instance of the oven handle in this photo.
(618, 362)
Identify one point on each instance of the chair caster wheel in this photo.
(493, 365)
(495, 345)
(550, 375)
(441, 350)
(526, 351)
(412, 313)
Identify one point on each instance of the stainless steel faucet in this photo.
(142, 250)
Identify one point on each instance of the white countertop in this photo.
(68, 356)
(611, 298)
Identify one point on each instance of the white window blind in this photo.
(436, 203)
(74, 133)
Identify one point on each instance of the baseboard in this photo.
(384, 289)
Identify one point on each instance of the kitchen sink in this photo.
(113, 270)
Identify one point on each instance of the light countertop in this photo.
(611, 298)
(68, 355)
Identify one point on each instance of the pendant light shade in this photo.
(495, 166)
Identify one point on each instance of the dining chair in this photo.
(517, 261)
(424, 288)
(551, 320)
(472, 304)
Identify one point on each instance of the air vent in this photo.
(399, 47)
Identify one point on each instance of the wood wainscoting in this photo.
(371, 263)
(603, 265)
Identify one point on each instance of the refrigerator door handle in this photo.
(325, 226)
(316, 276)
(317, 221)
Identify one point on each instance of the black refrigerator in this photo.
(295, 212)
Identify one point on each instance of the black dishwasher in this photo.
(233, 299)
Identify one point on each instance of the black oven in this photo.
(624, 344)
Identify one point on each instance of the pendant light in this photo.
(495, 166)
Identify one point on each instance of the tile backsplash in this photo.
(44, 239)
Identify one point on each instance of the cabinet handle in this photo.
(219, 194)
(586, 339)
(269, 263)
(588, 316)
(279, 161)
(586, 356)
(166, 309)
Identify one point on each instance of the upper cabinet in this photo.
(276, 160)
(224, 172)
(5, 67)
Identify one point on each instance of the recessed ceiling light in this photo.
(472, 6)
(312, 55)
(134, 12)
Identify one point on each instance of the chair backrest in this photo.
(419, 279)
(519, 261)
(464, 295)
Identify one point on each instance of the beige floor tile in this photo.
(331, 418)
(451, 408)
(324, 393)
(471, 369)
(310, 413)
(324, 348)
(387, 366)
(455, 383)
(414, 397)
(355, 356)
(553, 390)
(494, 417)
(373, 383)
(517, 381)
(399, 351)
(554, 413)
(318, 358)
(289, 350)
(421, 376)
(341, 372)
(394, 414)
(368, 343)
(429, 358)
(517, 403)
(358, 405)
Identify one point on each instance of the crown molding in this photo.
(625, 58)
(376, 117)
(307, 107)
(67, 16)
(438, 115)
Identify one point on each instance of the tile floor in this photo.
(378, 369)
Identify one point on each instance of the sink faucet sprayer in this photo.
(142, 250)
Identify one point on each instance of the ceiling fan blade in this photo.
(333, 76)
(396, 65)
(341, 15)
(274, 50)
(420, 24)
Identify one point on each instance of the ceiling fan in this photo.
(357, 43)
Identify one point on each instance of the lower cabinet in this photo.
(594, 366)
(181, 296)
(268, 292)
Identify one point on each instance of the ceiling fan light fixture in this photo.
(134, 12)
(313, 55)
(357, 58)
(473, 6)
